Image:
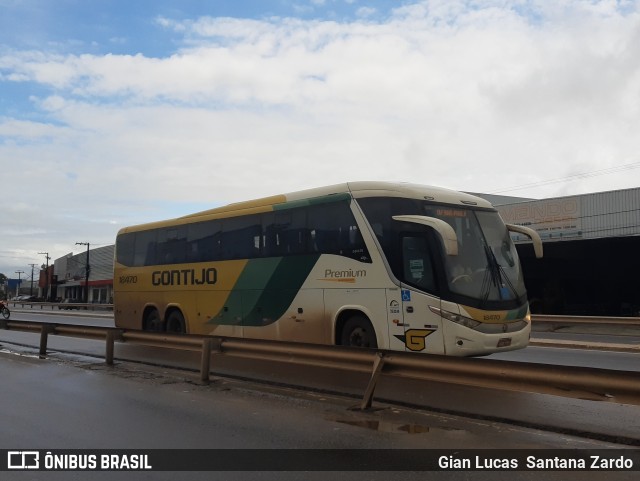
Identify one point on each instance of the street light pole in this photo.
(87, 271)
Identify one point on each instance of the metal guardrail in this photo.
(567, 381)
(547, 319)
(63, 305)
(560, 320)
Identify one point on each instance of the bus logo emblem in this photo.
(415, 339)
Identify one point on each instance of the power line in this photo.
(582, 175)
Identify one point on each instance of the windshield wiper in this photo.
(495, 275)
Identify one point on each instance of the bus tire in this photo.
(153, 322)
(358, 332)
(175, 322)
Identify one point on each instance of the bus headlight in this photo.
(487, 328)
(457, 318)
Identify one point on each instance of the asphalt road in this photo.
(75, 402)
(569, 415)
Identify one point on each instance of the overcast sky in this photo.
(121, 112)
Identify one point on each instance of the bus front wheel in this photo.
(358, 332)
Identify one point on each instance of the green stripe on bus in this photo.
(283, 286)
(257, 273)
(265, 289)
(343, 196)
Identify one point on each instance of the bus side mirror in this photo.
(532, 234)
(444, 230)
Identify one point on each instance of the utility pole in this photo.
(87, 272)
(46, 275)
(19, 282)
(32, 268)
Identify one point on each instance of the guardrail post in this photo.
(205, 361)
(45, 329)
(367, 399)
(112, 336)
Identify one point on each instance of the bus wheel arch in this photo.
(151, 320)
(353, 328)
(176, 322)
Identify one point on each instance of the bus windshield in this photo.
(486, 270)
(487, 265)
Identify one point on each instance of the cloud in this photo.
(476, 96)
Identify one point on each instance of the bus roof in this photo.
(356, 189)
(359, 190)
(418, 191)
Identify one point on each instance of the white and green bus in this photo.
(370, 264)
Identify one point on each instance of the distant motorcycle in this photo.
(4, 309)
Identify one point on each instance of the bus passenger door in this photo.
(423, 330)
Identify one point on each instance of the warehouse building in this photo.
(591, 257)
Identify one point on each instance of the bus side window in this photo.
(269, 234)
(285, 232)
(125, 245)
(334, 230)
(172, 245)
(297, 234)
(326, 241)
(203, 241)
(416, 262)
(145, 250)
(239, 236)
(276, 233)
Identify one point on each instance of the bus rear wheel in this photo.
(153, 322)
(358, 332)
(175, 323)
